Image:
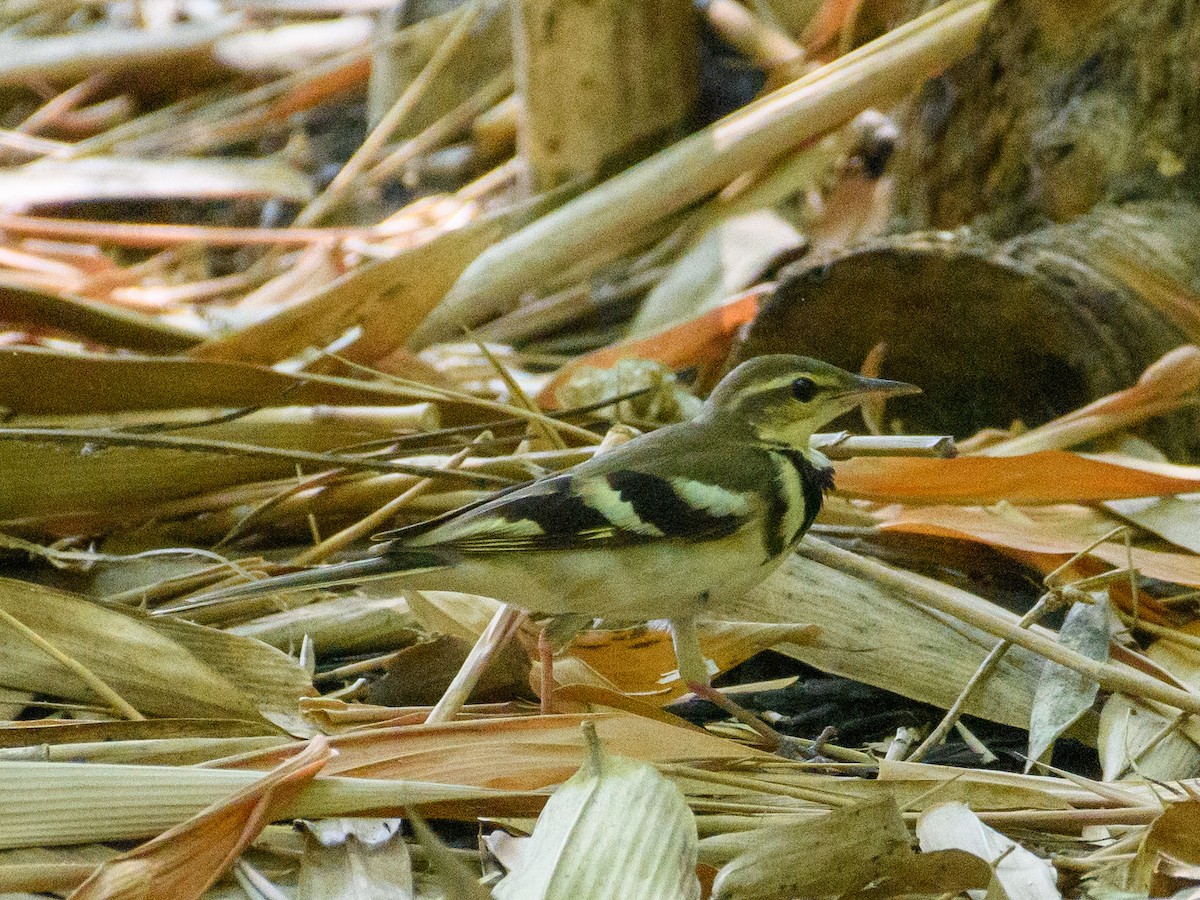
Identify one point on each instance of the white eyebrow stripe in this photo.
(765, 387)
(600, 496)
(711, 498)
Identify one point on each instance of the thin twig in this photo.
(949, 600)
(498, 633)
(369, 524)
(392, 120)
(209, 445)
(90, 678)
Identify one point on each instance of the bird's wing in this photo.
(593, 508)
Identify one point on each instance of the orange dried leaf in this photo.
(704, 341)
(520, 753)
(1052, 476)
(636, 660)
(1020, 532)
(1166, 385)
(185, 861)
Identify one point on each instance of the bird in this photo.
(665, 526)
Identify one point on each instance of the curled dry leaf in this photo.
(184, 862)
(1175, 519)
(1136, 740)
(615, 829)
(1022, 875)
(355, 859)
(1171, 844)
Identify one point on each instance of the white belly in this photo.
(655, 580)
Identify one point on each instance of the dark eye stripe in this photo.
(656, 503)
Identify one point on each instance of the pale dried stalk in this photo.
(498, 633)
(174, 442)
(110, 802)
(371, 523)
(997, 653)
(880, 71)
(444, 129)
(392, 120)
(763, 45)
(79, 55)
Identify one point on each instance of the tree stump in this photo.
(1024, 329)
(1066, 151)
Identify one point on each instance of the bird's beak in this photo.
(860, 386)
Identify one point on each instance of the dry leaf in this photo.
(1016, 530)
(1175, 519)
(1052, 476)
(1164, 387)
(876, 636)
(1022, 875)
(355, 859)
(1173, 838)
(939, 873)
(130, 802)
(161, 666)
(510, 753)
(1138, 741)
(726, 258)
(702, 341)
(1063, 696)
(616, 829)
(826, 857)
(642, 660)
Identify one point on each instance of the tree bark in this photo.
(1063, 106)
(603, 82)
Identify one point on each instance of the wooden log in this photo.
(1025, 329)
(1063, 105)
(603, 82)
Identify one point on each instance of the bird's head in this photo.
(783, 399)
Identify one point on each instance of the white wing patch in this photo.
(712, 498)
(484, 527)
(600, 496)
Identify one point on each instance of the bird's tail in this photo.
(383, 566)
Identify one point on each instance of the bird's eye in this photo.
(803, 389)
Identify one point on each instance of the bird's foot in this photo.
(780, 744)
